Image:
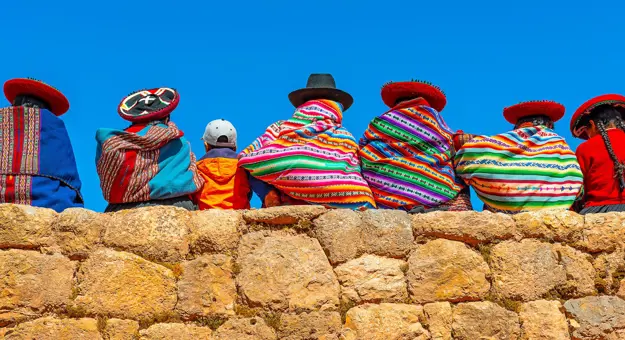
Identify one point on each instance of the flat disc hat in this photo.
(555, 111)
(56, 100)
(432, 94)
(149, 105)
(321, 86)
(577, 128)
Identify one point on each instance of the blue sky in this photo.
(239, 59)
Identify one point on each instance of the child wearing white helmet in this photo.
(225, 185)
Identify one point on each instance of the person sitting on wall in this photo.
(600, 121)
(225, 184)
(528, 168)
(150, 162)
(37, 164)
(407, 152)
(310, 158)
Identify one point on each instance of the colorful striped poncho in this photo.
(406, 157)
(311, 158)
(522, 170)
(145, 162)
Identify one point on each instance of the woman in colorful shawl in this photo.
(310, 158)
(149, 163)
(528, 168)
(37, 165)
(407, 152)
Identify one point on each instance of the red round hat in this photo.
(406, 89)
(615, 100)
(28, 86)
(551, 109)
(149, 105)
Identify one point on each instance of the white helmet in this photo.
(220, 128)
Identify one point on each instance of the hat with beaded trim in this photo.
(148, 105)
(553, 110)
(56, 100)
(393, 91)
(578, 129)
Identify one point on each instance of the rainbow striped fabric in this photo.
(406, 156)
(311, 158)
(521, 170)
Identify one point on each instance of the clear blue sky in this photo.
(239, 59)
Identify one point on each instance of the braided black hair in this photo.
(535, 121)
(605, 116)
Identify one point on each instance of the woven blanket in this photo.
(311, 158)
(145, 162)
(407, 160)
(521, 170)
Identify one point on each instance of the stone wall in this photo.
(310, 273)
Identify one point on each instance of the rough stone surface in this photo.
(386, 233)
(284, 272)
(444, 270)
(206, 287)
(155, 233)
(551, 224)
(609, 269)
(580, 274)
(309, 326)
(438, 319)
(597, 317)
(284, 215)
(215, 231)
(50, 328)
(339, 233)
(25, 227)
(484, 320)
(602, 233)
(32, 283)
(117, 329)
(245, 329)
(78, 232)
(543, 320)
(469, 227)
(124, 285)
(515, 264)
(178, 331)
(384, 321)
(373, 278)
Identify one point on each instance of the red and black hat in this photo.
(577, 128)
(149, 105)
(554, 111)
(27, 86)
(432, 94)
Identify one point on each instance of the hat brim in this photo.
(21, 86)
(554, 111)
(301, 96)
(408, 89)
(615, 100)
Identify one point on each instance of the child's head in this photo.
(220, 133)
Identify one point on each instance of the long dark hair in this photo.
(534, 121)
(604, 116)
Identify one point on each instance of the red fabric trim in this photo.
(9, 194)
(18, 138)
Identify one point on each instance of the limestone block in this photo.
(78, 232)
(444, 270)
(215, 231)
(206, 287)
(602, 233)
(386, 233)
(551, 224)
(178, 331)
(543, 320)
(525, 270)
(155, 233)
(286, 272)
(438, 318)
(309, 326)
(580, 274)
(124, 285)
(484, 320)
(467, 226)
(50, 328)
(284, 215)
(32, 283)
(245, 329)
(118, 329)
(384, 321)
(374, 279)
(609, 268)
(597, 317)
(25, 227)
(339, 233)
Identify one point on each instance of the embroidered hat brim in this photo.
(577, 129)
(26, 86)
(148, 105)
(435, 97)
(554, 111)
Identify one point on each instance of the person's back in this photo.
(225, 184)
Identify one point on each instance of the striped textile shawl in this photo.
(406, 156)
(521, 170)
(311, 158)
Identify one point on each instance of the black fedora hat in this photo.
(321, 86)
